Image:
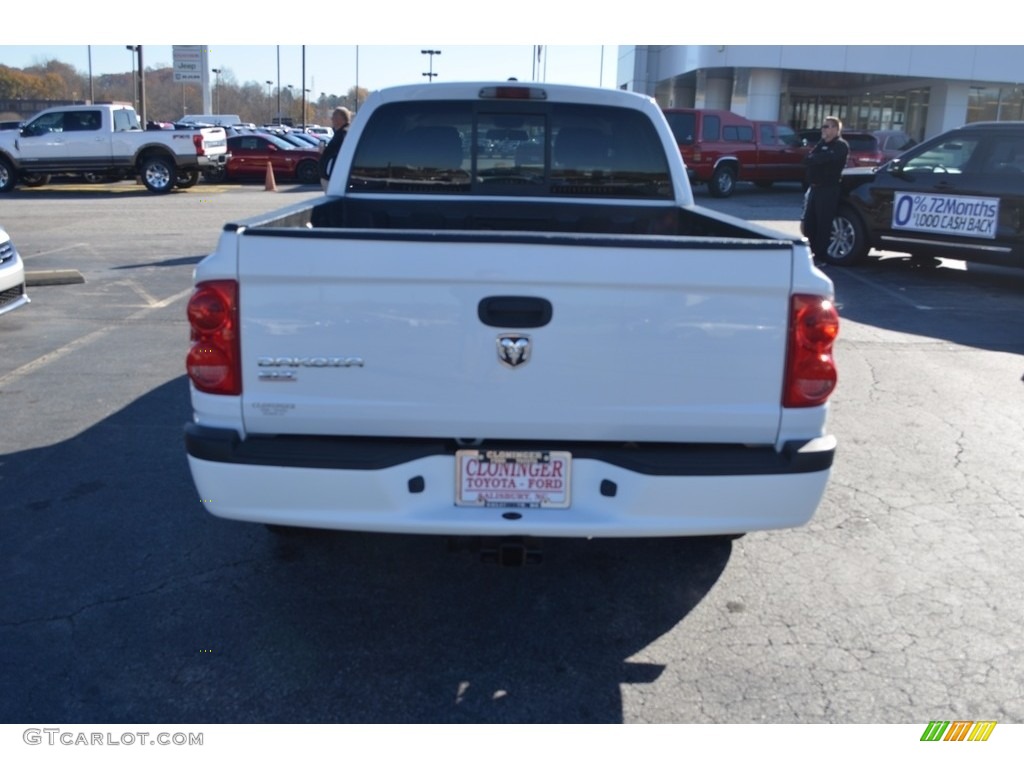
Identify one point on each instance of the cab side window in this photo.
(712, 127)
(52, 122)
(787, 136)
(122, 120)
(1006, 156)
(952, 156)
(82, 121)
(738, 133)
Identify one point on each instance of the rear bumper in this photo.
(206, 162)
(408, 486)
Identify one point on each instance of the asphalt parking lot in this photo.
(125, 602)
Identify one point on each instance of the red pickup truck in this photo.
(720, 148)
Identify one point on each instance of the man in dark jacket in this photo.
(825, 165)
(340, 120)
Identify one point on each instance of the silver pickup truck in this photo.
(106, 140)
(543, 339)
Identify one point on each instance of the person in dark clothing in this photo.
(340, 120)
(825, 165)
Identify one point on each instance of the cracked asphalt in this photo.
(122, 601)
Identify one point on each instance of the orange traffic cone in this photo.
(271, 185)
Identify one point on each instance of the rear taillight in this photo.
(810, 369)
(197, 139)
(214, 360)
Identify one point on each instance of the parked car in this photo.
(250, 153)
(286, 137)
(720, 148)
(864, 147)
(960, 194)
(893, 143)
(222, 120)
(12, 276)
(303, 140)
(320, 131)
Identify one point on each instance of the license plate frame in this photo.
(520, 479)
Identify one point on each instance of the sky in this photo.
(332, 68)
(477, 40)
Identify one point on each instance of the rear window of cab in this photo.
(510, 148)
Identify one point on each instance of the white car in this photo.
(12, 275)
(320, 131)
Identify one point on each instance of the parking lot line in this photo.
(82, 341)
(72, 246)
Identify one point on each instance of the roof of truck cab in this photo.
(554, 91)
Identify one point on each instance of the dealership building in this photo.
(920, 89)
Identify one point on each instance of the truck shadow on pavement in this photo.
(937, 299)
(179, 261)
(125, 602)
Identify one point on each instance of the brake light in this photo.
(214, 359)
(810, 369)
(197, 139)
(513, 92)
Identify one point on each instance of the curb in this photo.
(53, 277)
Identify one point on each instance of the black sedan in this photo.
(958, 195)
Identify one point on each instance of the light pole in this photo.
(142, 88)
(430, 65)
(291, 104)
(216, 90)
(92, 95)
(135, 83)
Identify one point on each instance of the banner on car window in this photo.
(946, 214)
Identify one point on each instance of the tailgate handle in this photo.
(514, 311)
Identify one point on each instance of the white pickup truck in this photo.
(543, 338)
(105, 140)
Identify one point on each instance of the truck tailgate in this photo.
(380, 334)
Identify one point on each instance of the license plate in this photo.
(530, 479)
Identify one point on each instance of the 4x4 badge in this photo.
(513, 349)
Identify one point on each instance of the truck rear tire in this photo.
(187, 179)
(8, 179)
(848, 245)
(158, 174)
(723, 181)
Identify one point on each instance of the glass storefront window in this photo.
(995, 104)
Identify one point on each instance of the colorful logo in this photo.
(958, 730)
